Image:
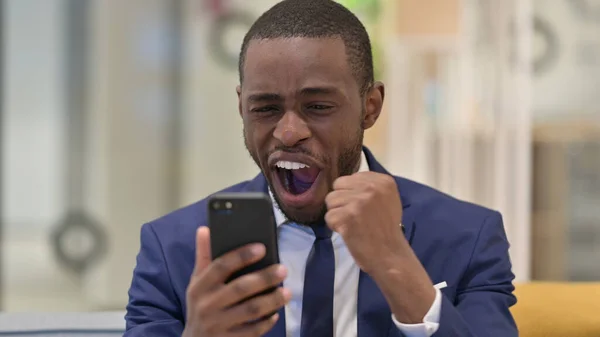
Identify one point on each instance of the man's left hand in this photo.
(366, 210)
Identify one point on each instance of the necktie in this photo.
(317, 298)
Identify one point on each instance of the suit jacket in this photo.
(459, 243)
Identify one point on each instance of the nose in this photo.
(291, 129)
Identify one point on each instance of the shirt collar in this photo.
(280, 217)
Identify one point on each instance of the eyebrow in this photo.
(270, 97)
(264, 97)
(319, 91)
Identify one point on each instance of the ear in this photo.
(238, 89)
(373, 104)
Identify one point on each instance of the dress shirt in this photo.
(295, 242)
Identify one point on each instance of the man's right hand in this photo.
(214, 308)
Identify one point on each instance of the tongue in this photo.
(300, 180)
(306, 175)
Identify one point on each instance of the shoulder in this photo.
(450, 235)
(443, 220)
(436, 205)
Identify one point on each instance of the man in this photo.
(363, 253)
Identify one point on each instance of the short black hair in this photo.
(316, 19)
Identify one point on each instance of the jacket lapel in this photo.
(408, 215)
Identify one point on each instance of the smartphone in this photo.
(238, 219)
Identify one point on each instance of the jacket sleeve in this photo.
(486, 290)
(153, 308)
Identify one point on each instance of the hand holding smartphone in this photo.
(235, 284)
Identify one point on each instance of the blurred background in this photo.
(116, 112)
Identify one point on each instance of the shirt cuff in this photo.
(430, 324)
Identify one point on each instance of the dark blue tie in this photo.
(317, 300)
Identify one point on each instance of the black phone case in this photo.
(249, 220)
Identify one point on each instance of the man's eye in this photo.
(265, 109)
(319, 107)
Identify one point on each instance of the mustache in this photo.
(294, 149)
(300, 150)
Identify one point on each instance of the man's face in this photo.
(304, 119)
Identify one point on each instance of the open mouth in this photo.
(296, 178)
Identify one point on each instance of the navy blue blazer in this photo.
(457, 242)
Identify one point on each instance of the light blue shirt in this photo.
(295, 242)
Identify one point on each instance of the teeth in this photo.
(290, 165)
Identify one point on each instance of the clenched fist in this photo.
(365, 209)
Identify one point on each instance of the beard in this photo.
(347, 163)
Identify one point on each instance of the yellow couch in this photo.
(546, 309)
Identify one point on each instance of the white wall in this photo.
(129, 159)
(33, 140)
(33, 134)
